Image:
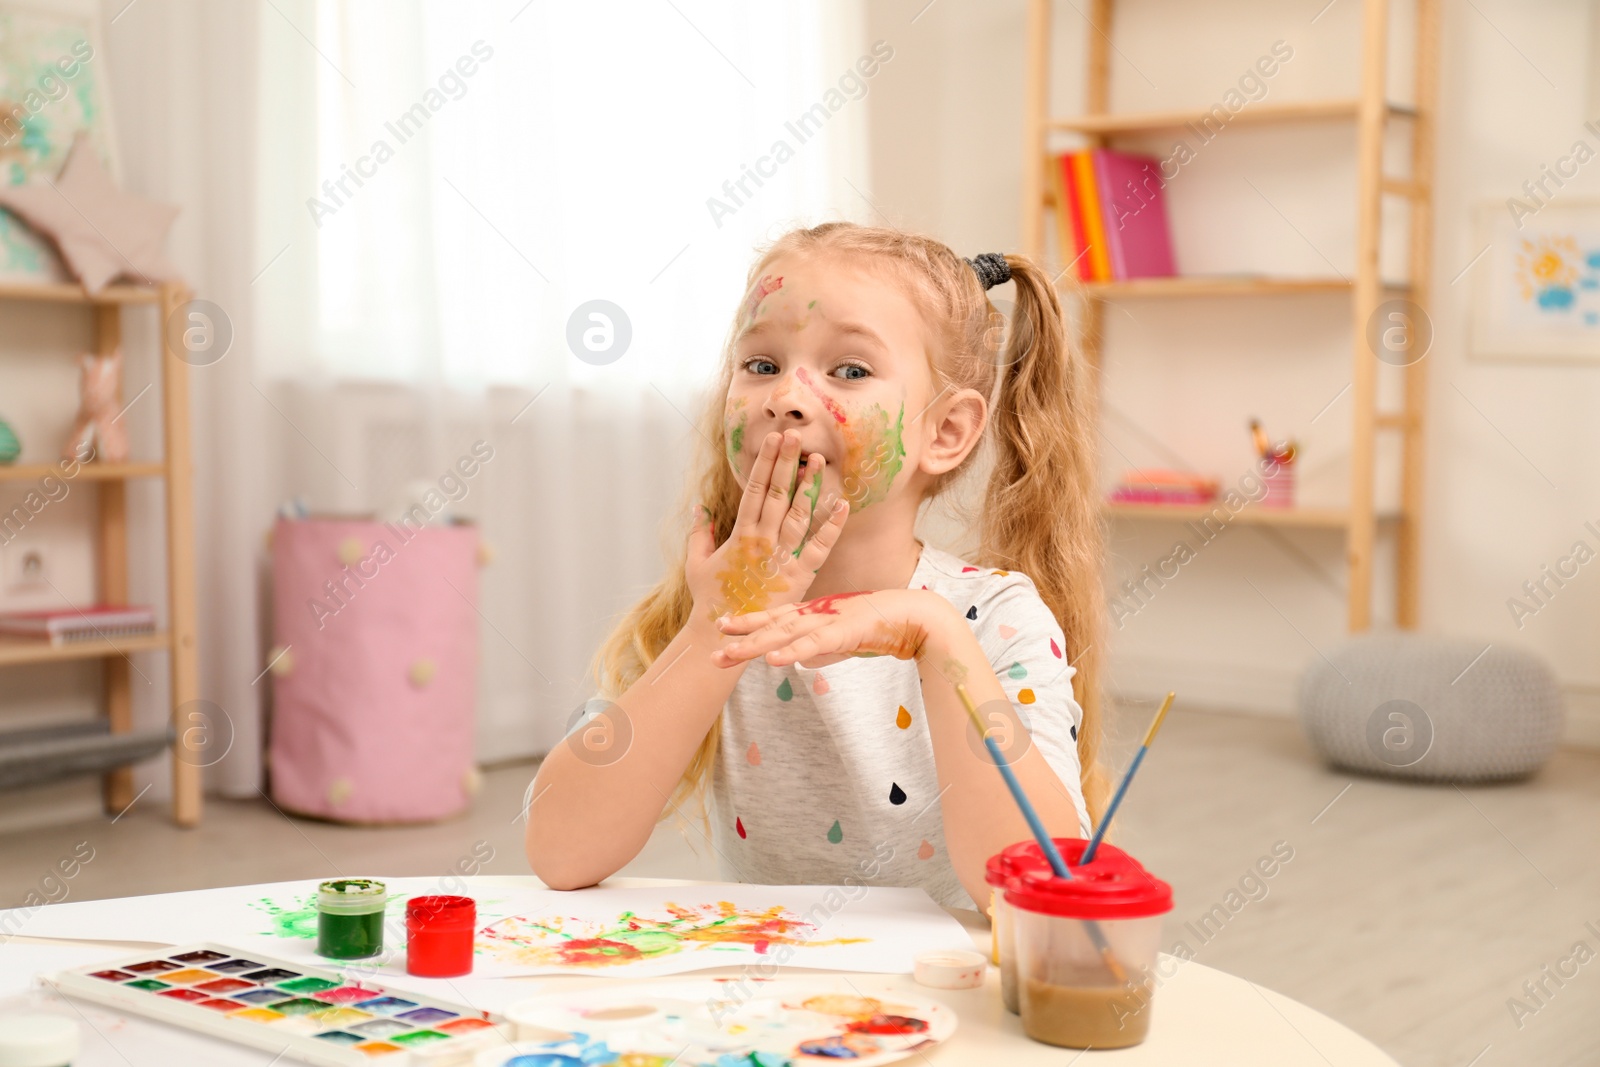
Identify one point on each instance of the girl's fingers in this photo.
(780, 487)
(755, 487)
(752, 621)
(825, 639)
(815, 662)
(816, 550)
(774, 635)
(797, 522)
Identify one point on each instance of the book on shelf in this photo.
(1112, 215)
(62, 626)
(1166, 487)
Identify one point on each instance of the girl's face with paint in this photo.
(840, 354)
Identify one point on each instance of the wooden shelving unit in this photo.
(15, 650)
(110, 482)
(1255, 115)
(1309, 518)
(94, 472)
(1370, 111)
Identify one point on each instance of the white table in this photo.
(1202, 1017)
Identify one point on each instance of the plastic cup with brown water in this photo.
(1066, 989)
(1003, 868)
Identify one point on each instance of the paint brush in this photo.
(1058, 866)
(1122, 787)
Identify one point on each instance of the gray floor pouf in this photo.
(1409, 706)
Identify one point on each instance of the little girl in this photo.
(801, 655)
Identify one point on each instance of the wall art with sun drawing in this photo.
(1537, 286)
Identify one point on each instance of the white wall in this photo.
(1182, 377)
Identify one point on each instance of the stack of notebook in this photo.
(1152, 486)
(63, 625)
(1113, 215)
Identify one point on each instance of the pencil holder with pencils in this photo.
(1275, 461)
(1279, 481)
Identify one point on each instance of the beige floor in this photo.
(1411, 914)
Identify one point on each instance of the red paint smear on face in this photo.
(761, 947)
(824, 605)
(764, 288)
(828, 402)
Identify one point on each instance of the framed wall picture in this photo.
(52, 84)
(1537, 293)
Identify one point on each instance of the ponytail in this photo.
(1041, 508)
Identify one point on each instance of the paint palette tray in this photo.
(313, 1014)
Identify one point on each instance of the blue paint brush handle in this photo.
(1058, 866)
(1122, 786)
(1116, 799)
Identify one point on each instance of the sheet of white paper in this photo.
(522, 930)
(671, 930)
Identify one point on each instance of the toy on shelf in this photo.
(102, 232)
(98, 429)
(1277, 467)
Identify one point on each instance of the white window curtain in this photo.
(441, 185)
(444, 183)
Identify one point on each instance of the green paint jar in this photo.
(350, 918)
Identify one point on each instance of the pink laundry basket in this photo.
(374, 669)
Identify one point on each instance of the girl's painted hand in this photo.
(768, 559)
(888, 622)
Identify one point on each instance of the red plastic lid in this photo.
(1098, 891)
(442, 911)
(1027, 855)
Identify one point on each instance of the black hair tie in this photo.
(992, 269)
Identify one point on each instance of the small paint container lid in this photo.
(352, 896)
(441, 913)
(37, 1041)
(952, 969)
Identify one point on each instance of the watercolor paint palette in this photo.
(712, 1023)
(315, 1014)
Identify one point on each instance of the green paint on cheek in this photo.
(883, 446)
(736, 439)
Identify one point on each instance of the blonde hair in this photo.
(1040, 512)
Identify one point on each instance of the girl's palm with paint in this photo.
(888, 622)
(772, 554)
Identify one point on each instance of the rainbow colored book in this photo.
(1069, 220)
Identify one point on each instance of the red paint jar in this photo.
(439, 933)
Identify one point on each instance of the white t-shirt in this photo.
(827, 776)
